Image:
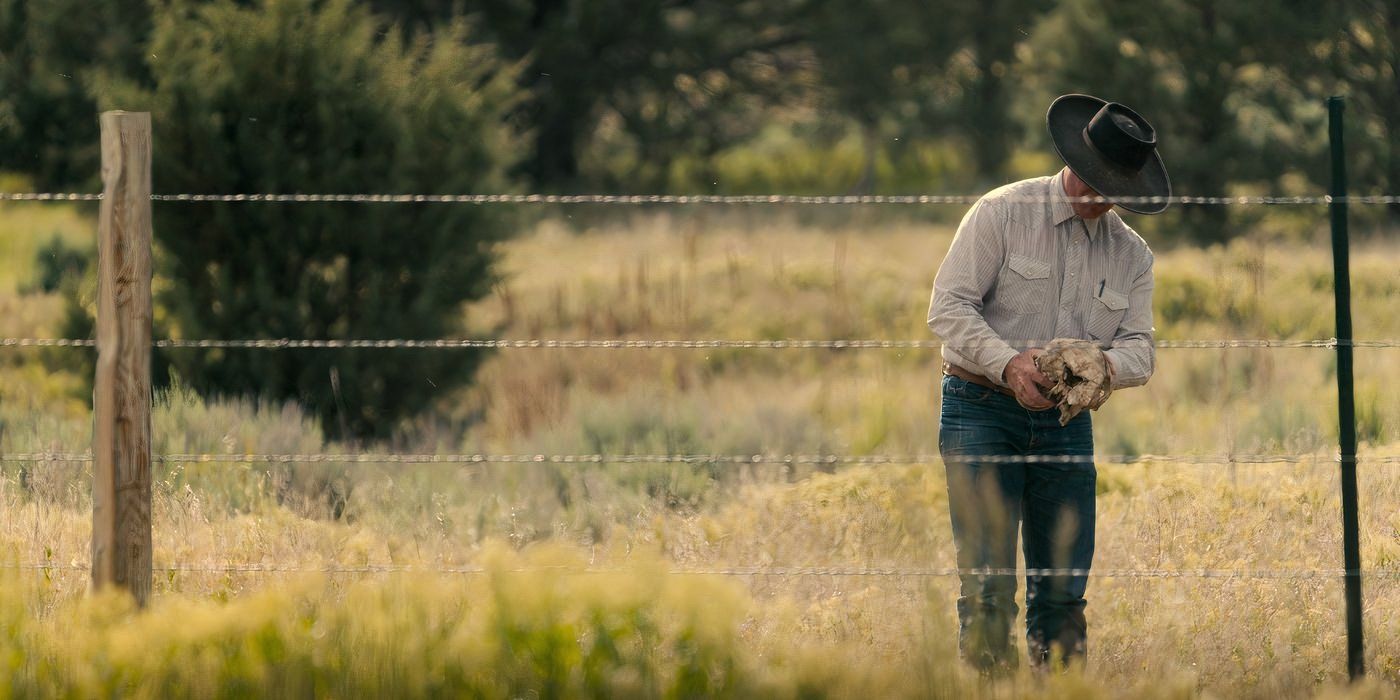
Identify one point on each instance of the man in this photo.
(1032, 261)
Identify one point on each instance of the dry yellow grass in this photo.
(713, 275)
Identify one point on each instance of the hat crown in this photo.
(1121, 136)
(1112, 149)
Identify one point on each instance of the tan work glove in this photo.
(1081, 375)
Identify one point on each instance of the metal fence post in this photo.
(121, 493)
(1346, 403)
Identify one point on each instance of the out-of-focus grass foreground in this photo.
(575, 598)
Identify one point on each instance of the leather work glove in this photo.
(1080, 374)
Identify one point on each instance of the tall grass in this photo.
(551, 632)
(742, 275)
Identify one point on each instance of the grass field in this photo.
(540, 618)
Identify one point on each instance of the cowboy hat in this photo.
(1112, 149)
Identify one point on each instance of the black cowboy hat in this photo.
(1112, 149)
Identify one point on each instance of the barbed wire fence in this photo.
(700, 343)
(827, 460)
(291, 344)
(667, 343)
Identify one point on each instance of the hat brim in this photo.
(1066, 120)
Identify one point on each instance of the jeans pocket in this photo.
(957, 388)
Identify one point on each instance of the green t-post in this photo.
(1346, 402)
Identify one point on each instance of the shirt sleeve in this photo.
(1133, 353)
(963, 281)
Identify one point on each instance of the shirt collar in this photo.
(1061, 211)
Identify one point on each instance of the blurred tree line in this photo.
(669, 95)
(627, 96)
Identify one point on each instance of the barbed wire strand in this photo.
(786, 459)
(755, 571)
(616, 344)
(963, 199)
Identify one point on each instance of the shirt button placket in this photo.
(1069, 288)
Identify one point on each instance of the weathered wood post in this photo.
(121, 442)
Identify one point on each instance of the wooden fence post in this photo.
(121, 493)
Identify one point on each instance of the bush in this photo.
(291, 96)
(56, 263)
(549, 632)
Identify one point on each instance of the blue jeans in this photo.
(1052, 504)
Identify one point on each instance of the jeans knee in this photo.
(1054, 594)
(991, 604)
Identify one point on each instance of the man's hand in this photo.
(1025, 380)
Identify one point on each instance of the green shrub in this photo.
(290, 96)
(57, 263)
(552, 631)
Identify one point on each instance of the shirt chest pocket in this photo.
(1024, 285)
(1106, 314)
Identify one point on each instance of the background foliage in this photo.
(621, 96)
(277, 99)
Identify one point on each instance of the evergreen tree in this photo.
(1215, 78)
(936, 69)
(289, 96)
(873, 83)
(50, 53)
(669, 78)
(1361, 60)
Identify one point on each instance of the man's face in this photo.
(1074, 187)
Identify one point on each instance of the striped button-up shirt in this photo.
(1023, 270)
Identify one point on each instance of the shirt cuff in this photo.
(998, 366)
(1126, 367)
